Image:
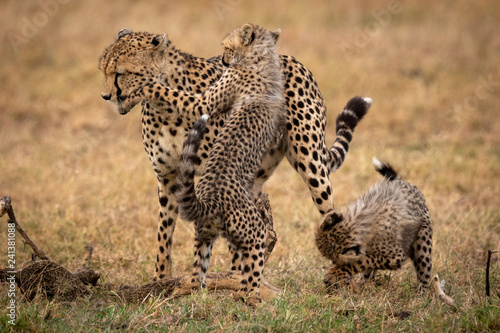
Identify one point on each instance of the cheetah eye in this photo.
(353, 250)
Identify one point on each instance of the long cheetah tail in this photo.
(385, 169)
(189, 206)
(347, 121)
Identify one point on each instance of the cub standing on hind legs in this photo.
(223, 203)
(139, 59)
(388, 224)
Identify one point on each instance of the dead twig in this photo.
(488, 271)
(45, 277)
(90, 248)
(6, 207)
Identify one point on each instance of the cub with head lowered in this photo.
(380, 230)
(223, 202)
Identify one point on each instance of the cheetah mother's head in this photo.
(134, 60)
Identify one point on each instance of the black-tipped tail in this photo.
(189, 206)
(385, 169)
(353, 112)
(347, 120)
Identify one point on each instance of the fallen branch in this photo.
(6, 207)
(45, 277)
(183, 286)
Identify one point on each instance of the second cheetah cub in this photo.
(380, 230)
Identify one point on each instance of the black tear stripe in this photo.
(118, 90)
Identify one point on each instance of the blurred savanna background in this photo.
(78, 175)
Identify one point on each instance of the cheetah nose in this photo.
(106, 97)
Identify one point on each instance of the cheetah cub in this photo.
(380, 230)
(223, 203)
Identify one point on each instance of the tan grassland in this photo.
(78, 175)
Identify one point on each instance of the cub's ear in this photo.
(247, 34)
(331, 220)
(276, 34)
(123, 32)
(160, 42)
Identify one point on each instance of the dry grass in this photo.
(77, 172)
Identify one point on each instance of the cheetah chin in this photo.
(125, 105)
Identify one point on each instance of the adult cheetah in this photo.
(383, 228)
(138, 59)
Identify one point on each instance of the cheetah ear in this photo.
(123, 32)
(160, 42)
(331, 221)
(247, 34)
(276, 34)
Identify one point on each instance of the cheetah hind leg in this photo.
(422, 255)
(203, 253)
(250, 283)
(198, 279)
(253, 248)
(236, 255)
(264, 206)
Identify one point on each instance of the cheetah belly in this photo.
(164, 148)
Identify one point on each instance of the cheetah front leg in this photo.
(167, 218)
(340, 275)
(214, 101)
